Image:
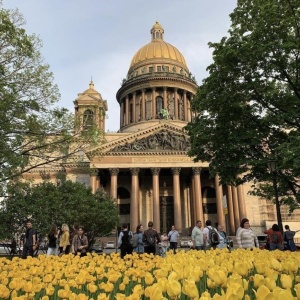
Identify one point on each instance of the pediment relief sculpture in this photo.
(163, 140)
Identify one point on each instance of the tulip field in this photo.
(214, 274)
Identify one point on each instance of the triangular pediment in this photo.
(162, 138)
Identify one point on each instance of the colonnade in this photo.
(235, 202)
(134, 108)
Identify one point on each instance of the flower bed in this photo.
(218, 274)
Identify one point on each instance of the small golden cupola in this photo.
(90, 109)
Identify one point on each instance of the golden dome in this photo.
(158, 50)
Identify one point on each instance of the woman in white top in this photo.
(246, 237)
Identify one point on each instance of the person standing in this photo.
(206, 235)
(246, 237)
(64, 242)
(164, 243)
(80, 242)
(52, 239)
(275, 238)
(30, 244)
(123, 241)
(150, 239)
(173, 236)
(222, 236)
(140, 247)
(197, 236)
(288, 237)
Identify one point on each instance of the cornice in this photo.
(134, 82)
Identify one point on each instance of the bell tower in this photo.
(90, 109)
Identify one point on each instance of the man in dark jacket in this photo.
(150, 239)
(30, 243)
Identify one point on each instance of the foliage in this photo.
(33, 131)
(47, 203)
(248, 107)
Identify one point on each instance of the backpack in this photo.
(150, 239)
(134, 241)
(213, 237)
(274, 238)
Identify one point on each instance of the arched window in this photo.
(88, 119)
(159, 105)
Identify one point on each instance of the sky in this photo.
(98, 38)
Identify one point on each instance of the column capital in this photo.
(113, 171)
(184, 92)
(165, 88)
(155, 171)
(175, 171)
(154, 89)
(196, 171)
(94, 172)
(134, 171)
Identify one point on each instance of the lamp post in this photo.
(273, 169)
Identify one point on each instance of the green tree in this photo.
(248, 107)
(48, 203)
(33, 131)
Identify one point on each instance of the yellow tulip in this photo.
(63, 293)
(4, 292)
(122, 287)
(286, 295)
(149, 278)
(190, 289)
(242, 269)
(297, 290)
(138, 289)
(260, 267)
(275, 264)
(258, 280)
(220, 278)
(45, 298)
(219, 297)
(270, 273)
(205, 296)
(109, 287)
(286, 281)
(156, 293)
(119, 296)
(235, 289)
(262, 292)
(210, 284)
(49, 290)
(173, 288)
(28, 287)
(102, 296)
(82, 297)
(270, 283)
(92, 288)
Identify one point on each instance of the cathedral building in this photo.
(145, 165)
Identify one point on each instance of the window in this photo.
(158, 68)
(88, 119)
(171, 108)
(159, 105)
(130, 113)
(151, 69)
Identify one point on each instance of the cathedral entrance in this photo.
(166, 213)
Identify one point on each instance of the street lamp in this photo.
(273, 169)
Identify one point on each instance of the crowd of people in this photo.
(147, 241)
(59, 242)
